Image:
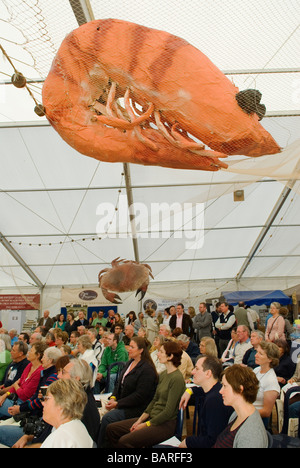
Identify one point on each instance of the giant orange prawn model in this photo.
(121, 92)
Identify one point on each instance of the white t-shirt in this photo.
(72, 434)
(267, 382)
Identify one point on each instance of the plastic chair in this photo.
(289, 392)
(179, 425)
(120, 365)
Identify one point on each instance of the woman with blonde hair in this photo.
(267, 357)
(208, 347)
(64, 405)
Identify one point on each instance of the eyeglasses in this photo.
(46, 398)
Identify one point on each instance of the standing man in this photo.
(45, 323)
(182, 320)
(202, 322)
(243, 317)
(224, 325)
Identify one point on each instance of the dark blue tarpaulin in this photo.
(256, 297)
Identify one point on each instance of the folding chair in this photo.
(120, 365)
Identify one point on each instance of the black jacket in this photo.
(137, 390)
(187, 324)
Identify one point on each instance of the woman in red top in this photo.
(26, 386)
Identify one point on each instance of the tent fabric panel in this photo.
(256, 297)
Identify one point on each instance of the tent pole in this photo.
(279, 204)
(20, 261)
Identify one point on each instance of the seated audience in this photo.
(73, 340)
(128, 335)
(115, 351)
(80, 371)
(294, 408)
(286, 367)
(139, 322)
(208, 346)
(158, 341)
(242, 345)
(86, 353)
(15, 369)
(50, 339)
(134, 389)
(13, 334)
(61, 337)
(24, 337)
(5, 356)
(213, 416)
(246, 429)
(81, 321)
(130, 318)
(158, 422)
(256, 338)
(267, 357)
(97, 346)
(165, 331)
(60, 322)
(10, 434)
(63, 409)
(70, 325)
(191, 348)
(227, 357)
(142, 332)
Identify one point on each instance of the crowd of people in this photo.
(225, 362)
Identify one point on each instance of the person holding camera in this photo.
(70, 368)
(26, 387)
(64, 405)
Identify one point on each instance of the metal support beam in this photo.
(20, 261)
(82, 10)
(280, 202)
(131, 211)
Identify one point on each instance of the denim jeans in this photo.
(110, 417)
(10, 434)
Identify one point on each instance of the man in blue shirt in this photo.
(212, 414)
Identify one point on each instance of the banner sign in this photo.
(74, 297)
(19, 301)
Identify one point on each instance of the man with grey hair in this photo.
(81, 371)
(13, 333)
(202, 322)
(242, 345)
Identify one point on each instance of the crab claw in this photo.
(142, 291)
(111, 297)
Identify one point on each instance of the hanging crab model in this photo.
(124, 276)
(121, 92)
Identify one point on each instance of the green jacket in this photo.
(109, 356)
(5, 360)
